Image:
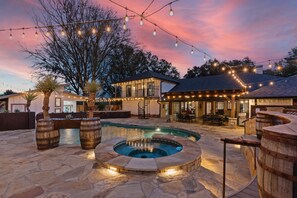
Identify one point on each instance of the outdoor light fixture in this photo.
(94, 31)
(170, 11)
(126, 17)
(141, 21)
(36, 33)
(108, 29)
(176, 42)
(124, 25)
(23, 34)
(170, 171)
(79, 32)
(155, 31)
(10, 35)
(63, 33)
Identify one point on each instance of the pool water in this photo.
(111, 130)
(159, 148)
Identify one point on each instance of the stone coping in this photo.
(288, 130)
(188, 159)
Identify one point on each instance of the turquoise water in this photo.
(111, 130)
(159, 149)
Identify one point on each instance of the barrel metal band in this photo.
(278, 173)
(278, 155)
(264, 193)
(277, 138)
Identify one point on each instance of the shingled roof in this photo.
(284, 88)
(222, 82)
(148, 74)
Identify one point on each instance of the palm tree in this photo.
(29, 97)
(46, 85)
(92, 88)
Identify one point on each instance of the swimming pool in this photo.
(111, 130)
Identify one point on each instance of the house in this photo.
(158, 95)
(60, 101)
(141, 94)
(274, 96)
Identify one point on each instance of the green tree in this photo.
(8, 92)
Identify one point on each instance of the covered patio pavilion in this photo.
(212, 95)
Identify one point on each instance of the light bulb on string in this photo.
(36, 33)
(47, 32)
(269, 64)
(155, 31)
(94, 31)
(141, 21)
(223, 68)
(108, 29)
(204, 58)
(124, 25)
(23, 34)
(170, 11)
(176, 41)
(63, 33)
(79, 32)
(10, 35)
(126, 17)
(192, 50)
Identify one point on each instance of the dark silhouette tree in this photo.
(82, 54)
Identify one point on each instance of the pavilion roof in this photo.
(284, 88)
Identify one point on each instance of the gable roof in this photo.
(10, 95)
(222, 82)
(207, 83)
(286, 87)
(148, 74)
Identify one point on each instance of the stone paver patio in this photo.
(68, 171)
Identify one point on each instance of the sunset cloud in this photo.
(226, 29)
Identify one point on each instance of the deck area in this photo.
(249, 191)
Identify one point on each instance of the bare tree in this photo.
(75, 48)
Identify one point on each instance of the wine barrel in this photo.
(46, 136)
(277, 166)
(262, 121)
(90, 133)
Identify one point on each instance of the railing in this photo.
(151, 92)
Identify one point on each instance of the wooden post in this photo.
(233, 106)
(213, 107)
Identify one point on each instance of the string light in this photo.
(245, 69)
(271, 83)
(170, 11)
(155, 31)
(124, 25)
(192, 50)
(204, 58)
(63, 32)
(47, 32)
(223, 68)
(94, 31)
(269, 65)
(176, 42)
(108, 28)
(79, 32)
(36, 33)
(141, 21)
(126, 17)
(10, 35)
(23, 34)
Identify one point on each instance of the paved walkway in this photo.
(68, 171)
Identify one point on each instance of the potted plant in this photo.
(29, 97)
(46, 136)
(90, 128)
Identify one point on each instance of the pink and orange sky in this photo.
(226, 29)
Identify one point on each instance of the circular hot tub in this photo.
(148, 148)
(160, 154)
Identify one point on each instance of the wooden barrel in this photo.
(262, 121)
(46, 136)
(90, 133)
(277, 166)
